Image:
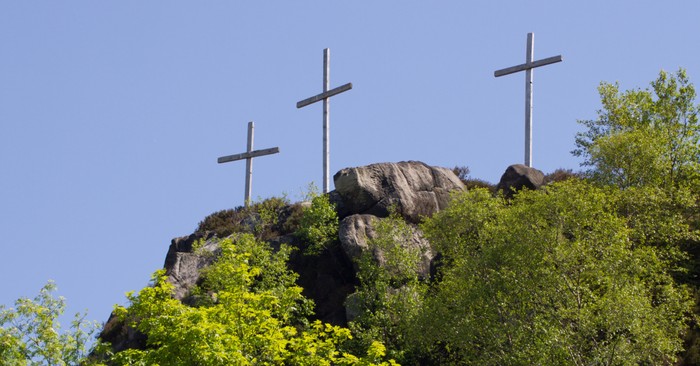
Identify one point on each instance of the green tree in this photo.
(31, 335)
(551, 277)
(249, 312)
(644, 137)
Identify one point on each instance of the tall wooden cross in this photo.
(325, 97)
(248, 156)
(528, 66)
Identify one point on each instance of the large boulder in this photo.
(519, 176)
(413, 188)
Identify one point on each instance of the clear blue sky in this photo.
(112, 114)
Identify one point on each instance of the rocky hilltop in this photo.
(363, 197)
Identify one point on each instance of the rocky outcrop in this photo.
(363, 196)
(413, 188)
(519, 176)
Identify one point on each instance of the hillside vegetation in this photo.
(598, 267)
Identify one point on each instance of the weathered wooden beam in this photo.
(324, 95)
(527, 66)
(246, 155)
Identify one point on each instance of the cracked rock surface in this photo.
(413, 188)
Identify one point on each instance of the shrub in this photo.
(318, 226)
(560, 175)
(223, 223)
(266, 219)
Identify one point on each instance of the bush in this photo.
(223, 223)
(561, 175)
(318, 226)
(266, 219)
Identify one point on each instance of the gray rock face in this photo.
(519, 176)
(364, 195)
(357, 231)
(413, 188)
(354, 232)
(183, 266)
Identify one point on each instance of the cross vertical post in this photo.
(326, 121)
(248, 156)
(528, 67)
(528, 99)
(249, 164)
(325, 97)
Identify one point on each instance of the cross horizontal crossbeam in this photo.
(324, 95)
(529, 65)
(247, 155)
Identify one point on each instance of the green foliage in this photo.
(268, 213)
(646, 141)
(318, 226)
(644, 137)
(246, 264)
(30, 333)
(456, 233)
(658, 217)
(552, 277)
(390, 292)
(251, 316)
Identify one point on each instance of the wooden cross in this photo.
(528, 66)
(325, 97)
(248, 156)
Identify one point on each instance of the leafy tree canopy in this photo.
(551, 277)
(644, 137)
(31, 335)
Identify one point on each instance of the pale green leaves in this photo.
(31, 335)
(248, 312)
